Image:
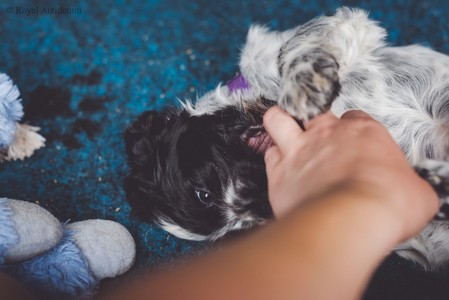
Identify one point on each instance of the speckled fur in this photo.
(342, 61)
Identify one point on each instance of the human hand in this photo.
(354, 152)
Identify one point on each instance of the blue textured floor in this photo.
(85, 76)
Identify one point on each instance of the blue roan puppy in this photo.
(198, 171)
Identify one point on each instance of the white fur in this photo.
(180, 232)
(257, 64)
(235, 221)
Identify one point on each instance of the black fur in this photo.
(172, 155)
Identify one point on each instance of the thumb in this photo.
(281, 127)
(272, 158)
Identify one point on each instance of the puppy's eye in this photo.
(204, 197)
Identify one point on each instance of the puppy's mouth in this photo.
(257, 139)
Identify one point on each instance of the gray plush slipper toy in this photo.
(60, 259)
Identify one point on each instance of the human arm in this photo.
(329, 235)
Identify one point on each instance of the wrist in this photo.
(352, 230)
(411, 200)
(362, 206)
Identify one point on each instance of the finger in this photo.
(356, 114)
(325, 119)
(281, 127)
(272, 158)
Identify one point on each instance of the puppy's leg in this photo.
(258, 60)
(322, 51)
(430, 248)
(437, 174)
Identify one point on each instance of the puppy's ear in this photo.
(142, 140)
(142, 136)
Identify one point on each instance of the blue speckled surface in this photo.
(84, 77)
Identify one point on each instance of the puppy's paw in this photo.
(437, 174)
(310, 84)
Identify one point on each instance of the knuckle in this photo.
(367, 124)
(356, 115)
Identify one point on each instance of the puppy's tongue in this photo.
(260, 142)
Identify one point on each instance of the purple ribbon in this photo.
(237, 83)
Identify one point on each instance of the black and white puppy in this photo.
(198, 171)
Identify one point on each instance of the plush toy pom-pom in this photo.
(61, 272)
(89, 251)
